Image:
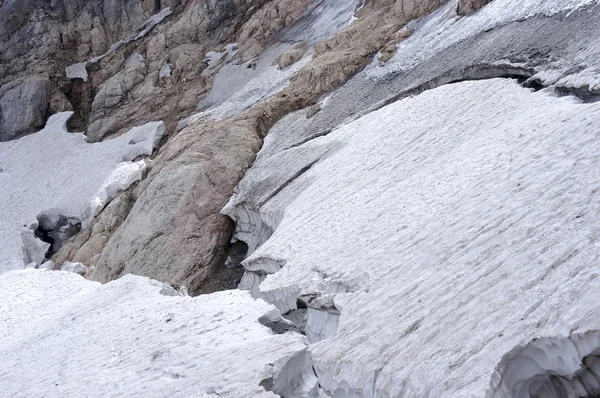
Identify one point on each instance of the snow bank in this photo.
(447, 229)
(57, 174)
(134, 337)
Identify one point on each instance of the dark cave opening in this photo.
(56, 230)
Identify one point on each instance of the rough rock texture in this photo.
(24, 105)
(468, 6)
(174, 231)
(39, 38)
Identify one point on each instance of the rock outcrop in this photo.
(24, 106)
(468, 6)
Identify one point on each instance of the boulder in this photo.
(23, 106)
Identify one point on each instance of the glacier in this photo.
(450, 240)
(134, 337)
(426, 229)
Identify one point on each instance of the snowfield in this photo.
(57, 173)
(133, 337)
(448, 229)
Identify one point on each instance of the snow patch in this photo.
(55, 175)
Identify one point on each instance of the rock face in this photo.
(468, 6)
(24, 105)
(38, 39)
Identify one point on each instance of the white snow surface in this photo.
(451, 228)
(133, 337)
(444, 28)
(55, 172)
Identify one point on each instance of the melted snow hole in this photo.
(55, 229)
(554, 367)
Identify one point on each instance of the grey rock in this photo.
(111, 93)
(468, 6)
(76, 268)
(24, 105)
(174, 231)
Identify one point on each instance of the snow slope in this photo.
(449, 229)
(57, 173)
(133, 337)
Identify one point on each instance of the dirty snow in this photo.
(133, 337)
(448, 229)
(444, 28)
(58, 173)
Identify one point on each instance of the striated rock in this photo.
(111, 93)
(174, 232)
(270, 19)
(291, 57)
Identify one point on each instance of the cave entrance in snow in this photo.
(55, 230)
(553, 367)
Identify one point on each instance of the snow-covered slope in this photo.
(133, 337)
(448, 229)
(57, 174)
